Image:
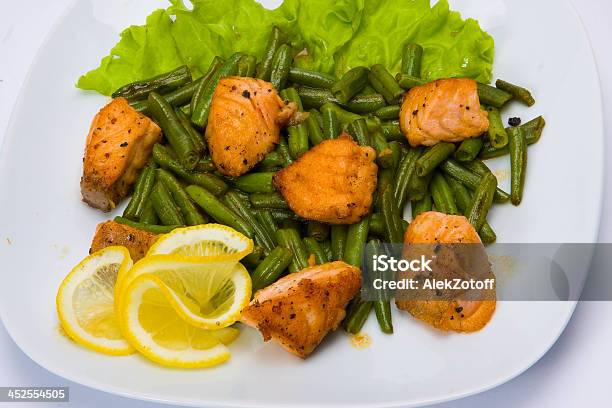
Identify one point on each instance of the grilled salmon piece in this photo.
(446, 110)
(332, 183)
(246, 116)
(450, 315)
(112, 233)
(300, 309)
(119, 144)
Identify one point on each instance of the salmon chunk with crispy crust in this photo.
(119, 144)
(111, 233)
(446, 110)
(300, 309)
(332, 183)
(246, 116)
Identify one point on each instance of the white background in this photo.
(574, 373)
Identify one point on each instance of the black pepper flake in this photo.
(459, 309)
(107, 155)
(414, 112)
(514, 122)
(124, 144)
(246, 94)
(245, 161)
(227, 147)
(292, 316)
(467, 108)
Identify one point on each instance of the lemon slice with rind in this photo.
(207, 294)
(208, 240)
(154, 325)
(85, 301)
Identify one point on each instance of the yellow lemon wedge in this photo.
(167, 315)
(208, 240)
(85, 301)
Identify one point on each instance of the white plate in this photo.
(45, 230)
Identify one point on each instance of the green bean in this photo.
(350, 84)
(356, 237)
(497, 134)
(471, 180)
(396, 154)
(269, 200)
(175, 133)
(256, 183)
(409, 81)
(315, 98)
(178, 97)
(315, 134)
(391, 217)
(194, 135)
(218, 211)
(165, 207)
(162, 83)
(356, 316)
(331, 125)
(298, 134)
(205, 165)
(142, 189)
(478, 167)
(432, 157)
(271, 268)
(377, 225)
(254, 259)
(423, 205)
(385, 180)
(280, 66)
(533, 131)
(203, 82)
(518, 163)
(326, 247)
(267, 221)
(366, 103)
(412, 54)
(382, 306)
(338, 241)
(367, 90)
(403, 175)
(469, 149)
(442, 195)
(359, 131)
(384, 154)
(344, 116)
(155, 229)
(418, 186)
(463, 199)
(290, 239)
(317, 230)
(201, 106)
(235, 203)
(264, 70)
(291, 222)
(519, 93)
(385, 84)
(272, 160)
(492, 96)
(210, 182)
(312, 79)
(148, 215)
(392, 131)
(388, 112)
(280, 215)
(481, 201)
(186, 206)
(247, 64)
(283, 149)
(313, 247)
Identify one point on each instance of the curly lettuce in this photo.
(337, 35)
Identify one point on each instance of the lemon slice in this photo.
(207, 294)
(85, 301)
(208, 240)
(154, 326)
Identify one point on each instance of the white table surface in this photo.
(574, 373)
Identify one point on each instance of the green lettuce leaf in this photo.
(337, 34)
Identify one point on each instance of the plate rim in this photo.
(451, 396)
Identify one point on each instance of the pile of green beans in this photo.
(181, 186)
